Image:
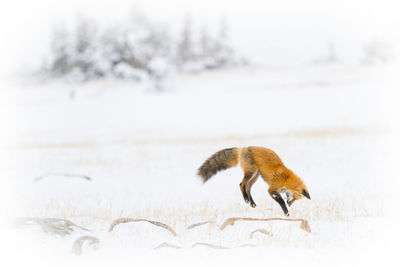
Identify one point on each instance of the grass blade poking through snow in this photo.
(265, 232)
(55, 226)
(208, 245)
(85, 177)
(77, 246)
(167, 245)
(231, 221)
(198, 224)
(128, 220)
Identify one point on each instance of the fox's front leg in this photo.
(277, 197)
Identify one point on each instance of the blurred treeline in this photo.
(138, 49)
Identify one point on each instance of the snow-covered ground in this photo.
(332, 125)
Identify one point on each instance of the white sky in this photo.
(280, 32)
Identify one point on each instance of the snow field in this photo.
(142, 150)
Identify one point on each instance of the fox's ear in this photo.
(305, 193)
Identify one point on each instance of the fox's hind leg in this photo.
(243, 189)
(248, 188)
(248, 176)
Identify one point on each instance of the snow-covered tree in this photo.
(377, 51)
(60, 51)
(138, 49)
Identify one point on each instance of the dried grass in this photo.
(262, 231)
(231, 221)
(167, 245)
(77, 246)
(55, 226)
(208, 245)
(85, 177)
(199, 224)
(128, 220)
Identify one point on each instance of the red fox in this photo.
(256, 161)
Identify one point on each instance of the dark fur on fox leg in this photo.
(245, 197)
(277, 197)
(252, 203)
(245, 183)
(248, 199)
(248, 188)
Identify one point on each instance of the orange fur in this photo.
(260, 161)
(275, 173)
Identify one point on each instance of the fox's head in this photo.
(293, 189)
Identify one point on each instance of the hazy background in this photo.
(273, 33)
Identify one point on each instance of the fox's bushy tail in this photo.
(219, 161)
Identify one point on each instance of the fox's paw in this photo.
(252, 204)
